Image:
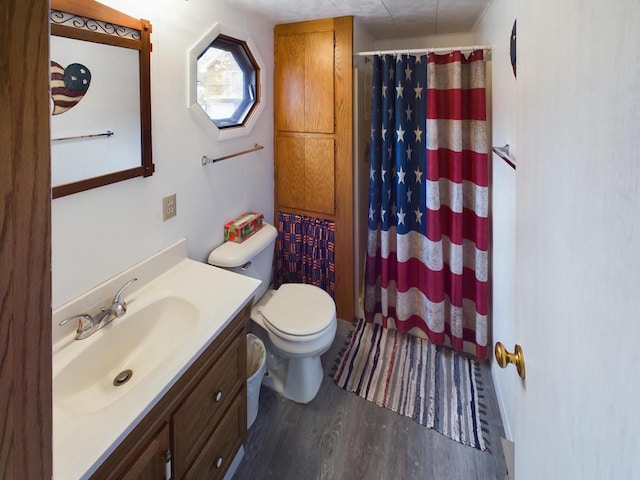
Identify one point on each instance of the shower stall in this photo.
(361, 136)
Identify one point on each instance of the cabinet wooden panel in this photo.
(305, 173)
(290, 170)
(203, 408)
(304, 82)
(289, 80)
(319, 78)
(319, 175)
(151, 464)
(218, 452)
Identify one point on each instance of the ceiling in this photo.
(383, 19)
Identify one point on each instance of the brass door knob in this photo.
(504, 358)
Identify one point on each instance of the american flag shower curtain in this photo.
(426, 266)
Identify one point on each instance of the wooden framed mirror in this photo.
(100, 96)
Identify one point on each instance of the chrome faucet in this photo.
(88, 325)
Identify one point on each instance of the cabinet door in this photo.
(305, 173)
(151, 463)
(319, 175)
(289, 83)
(304, 82)
(319, 81)
(290, 167)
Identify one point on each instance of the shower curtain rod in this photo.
(424, 50)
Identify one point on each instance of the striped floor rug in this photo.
(433, 385)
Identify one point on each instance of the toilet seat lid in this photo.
(299, 309)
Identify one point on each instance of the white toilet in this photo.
(299, 319)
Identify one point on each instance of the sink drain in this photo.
(122, 378)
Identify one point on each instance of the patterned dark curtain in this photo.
(306, 251)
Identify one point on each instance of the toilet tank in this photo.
(253, 257)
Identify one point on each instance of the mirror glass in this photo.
(226, 82)
(100, 96)
(95, 105)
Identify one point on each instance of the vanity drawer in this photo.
(217, 454)
(197, 417)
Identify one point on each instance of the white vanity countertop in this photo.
(83, 440)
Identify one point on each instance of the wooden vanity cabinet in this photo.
(199, 425)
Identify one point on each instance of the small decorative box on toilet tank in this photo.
(242, 227)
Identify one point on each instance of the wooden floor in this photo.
(340, 436)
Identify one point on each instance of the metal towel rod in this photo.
(108, 133)
(503, 153)
(206, 160)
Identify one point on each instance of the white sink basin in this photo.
(138, 341)
(174, 311)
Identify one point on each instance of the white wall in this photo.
(362, 42)
(494, 28)
(431, 41)
(99, 233)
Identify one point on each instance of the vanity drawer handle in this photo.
(219, 462)
(218, 396)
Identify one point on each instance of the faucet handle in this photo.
(118, 300)
(86, 321)
(118, 296)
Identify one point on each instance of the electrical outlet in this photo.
(169, 207)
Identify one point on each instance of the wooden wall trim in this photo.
(312, 26)
(92, 9)
(345, 295)
(25, 242)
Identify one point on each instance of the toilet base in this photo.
(297, 379)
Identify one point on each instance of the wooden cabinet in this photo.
(305, 117)
(199, 425)
(313, 108)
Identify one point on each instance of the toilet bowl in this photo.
(297, 322)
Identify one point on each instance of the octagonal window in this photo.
(227, 82)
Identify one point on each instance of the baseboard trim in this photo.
(509, 452)
(235, 464)
(503, 411)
